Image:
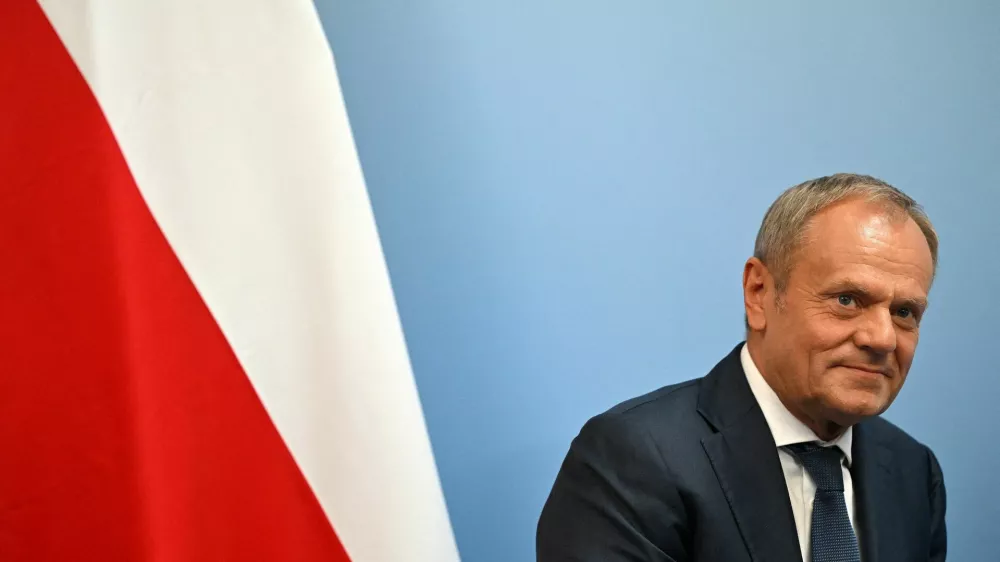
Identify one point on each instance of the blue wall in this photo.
(566, 193)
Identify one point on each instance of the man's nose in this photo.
(877, 332)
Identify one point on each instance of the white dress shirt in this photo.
(788, 430)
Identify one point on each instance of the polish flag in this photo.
(200, 355)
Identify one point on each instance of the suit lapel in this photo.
(745, 460)
(881, 536)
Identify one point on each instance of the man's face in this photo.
(838, 342)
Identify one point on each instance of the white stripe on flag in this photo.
(230, 116)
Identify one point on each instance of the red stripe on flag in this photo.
(129, 430)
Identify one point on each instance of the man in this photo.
(779, 453)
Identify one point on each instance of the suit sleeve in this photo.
(613, 501)
(939, 534)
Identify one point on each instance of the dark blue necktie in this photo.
(832, 537)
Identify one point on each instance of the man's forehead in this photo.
(862, 235)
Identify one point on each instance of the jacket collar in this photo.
(744, 457)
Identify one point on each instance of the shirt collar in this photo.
(786, 428)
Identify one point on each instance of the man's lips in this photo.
(885, 371)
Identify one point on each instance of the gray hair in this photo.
(786, 222)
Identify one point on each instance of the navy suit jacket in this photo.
(690, 473)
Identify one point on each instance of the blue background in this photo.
(567, 191)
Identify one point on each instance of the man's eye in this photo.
(904, 312)
(845, 300)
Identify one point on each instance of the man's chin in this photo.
(858, 405)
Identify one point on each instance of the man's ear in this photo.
(756, 285)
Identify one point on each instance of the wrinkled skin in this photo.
(837, 343)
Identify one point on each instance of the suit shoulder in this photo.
(894, 437)
(683, 393)
(668, 408)
(635, 428)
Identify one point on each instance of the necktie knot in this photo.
(822, 463)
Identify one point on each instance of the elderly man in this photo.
(779, 453)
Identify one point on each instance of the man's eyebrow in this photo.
(848, 286)
(915, 302)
